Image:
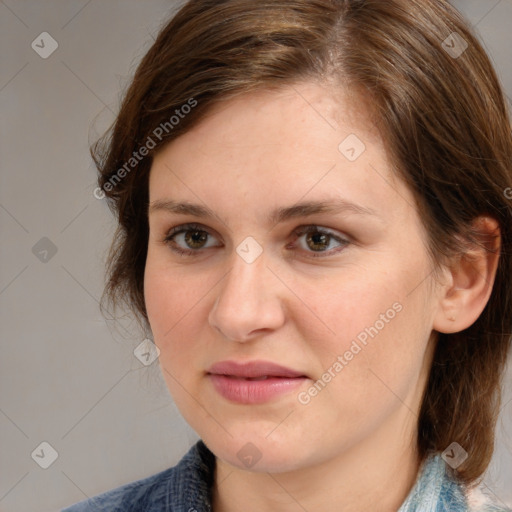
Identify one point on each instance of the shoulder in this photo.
(455, 496)
(132, 496)
(184, 486)
(478, 501)
(437, 490)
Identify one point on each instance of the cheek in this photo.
(173, 303)
(374, 334)
(172, 300)
(349, 306)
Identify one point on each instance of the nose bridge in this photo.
(246, 302)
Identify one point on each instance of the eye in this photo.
(320, 241)
(188, 239)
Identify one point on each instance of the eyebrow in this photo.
(277, 216)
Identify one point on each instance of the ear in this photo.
(470, 280)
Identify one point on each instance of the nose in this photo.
(248, 302)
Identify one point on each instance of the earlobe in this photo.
(472, 275)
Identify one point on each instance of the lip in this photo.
(230, 379)
(251, 369)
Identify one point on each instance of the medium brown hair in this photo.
(442, 116)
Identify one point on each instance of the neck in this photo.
(376, 475)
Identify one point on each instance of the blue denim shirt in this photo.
(186, 487)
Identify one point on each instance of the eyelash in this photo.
(303, 230)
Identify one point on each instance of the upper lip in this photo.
(253, 369)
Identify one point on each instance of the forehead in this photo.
(303, 141)
(292, 116)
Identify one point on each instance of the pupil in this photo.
(319, 240)
(197, 237)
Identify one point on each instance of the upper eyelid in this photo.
(299, 230)
(200, 227)
(188, 226)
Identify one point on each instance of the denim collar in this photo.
(187, 487)
(190, 489)
(435, 489)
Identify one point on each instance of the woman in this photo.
(314, 225)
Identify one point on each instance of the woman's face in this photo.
(341, 294)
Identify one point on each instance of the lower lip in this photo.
(254, 391)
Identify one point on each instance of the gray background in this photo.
(68, 377)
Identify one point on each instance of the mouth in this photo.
(264, 377)
(253, 382)
(253, 370)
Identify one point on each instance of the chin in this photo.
(256, 453)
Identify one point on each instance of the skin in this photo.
(352, 446)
